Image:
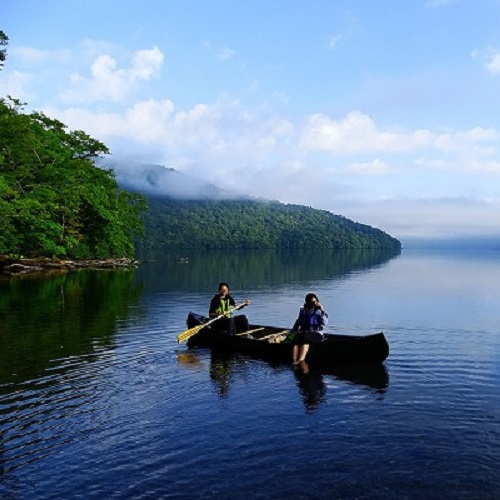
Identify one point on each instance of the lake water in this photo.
(97, 399)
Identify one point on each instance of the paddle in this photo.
(193, 331)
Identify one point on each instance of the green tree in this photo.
(4, 41)
(53, 200)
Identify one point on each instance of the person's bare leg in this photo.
(295, 354)
(303, 352)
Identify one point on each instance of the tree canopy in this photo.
(4, 41)
(53, 200)
(253, 224)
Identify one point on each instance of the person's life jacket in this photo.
(312, 321)
(224, 305)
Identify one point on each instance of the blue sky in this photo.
(385, 112)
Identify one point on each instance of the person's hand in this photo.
(247, 301)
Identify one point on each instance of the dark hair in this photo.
(223, 283)
(310, 296)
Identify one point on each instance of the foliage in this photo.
(53, 200)
(4, 41)
(253, 224)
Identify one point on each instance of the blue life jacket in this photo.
(312, 321)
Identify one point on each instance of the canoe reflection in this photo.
(310, 379)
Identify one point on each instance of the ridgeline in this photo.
(171, 223)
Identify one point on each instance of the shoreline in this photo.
(10, 266)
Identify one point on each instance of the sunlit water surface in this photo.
(97, 399)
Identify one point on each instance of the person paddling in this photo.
(222, 303)
(310, 322)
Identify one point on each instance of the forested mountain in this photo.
(186, 212)
(253, 224)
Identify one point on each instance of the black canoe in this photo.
(258, 341)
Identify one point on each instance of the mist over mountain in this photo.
(185, 212)
(159, 181)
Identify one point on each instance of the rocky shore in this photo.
(13, 266)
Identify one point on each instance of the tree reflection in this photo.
(255, 268)
(57, 316)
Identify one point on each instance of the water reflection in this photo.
(220, 371)
(225, 366)
(58, 317)
(201, 270)
(311, 386)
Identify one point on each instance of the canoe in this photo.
(269, 342)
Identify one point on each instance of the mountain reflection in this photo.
(198, 270)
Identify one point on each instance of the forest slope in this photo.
(173, 223)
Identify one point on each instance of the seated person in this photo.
(223, 303)
(309, 324)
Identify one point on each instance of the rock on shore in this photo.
(12, 266)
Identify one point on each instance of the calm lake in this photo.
(97, 399)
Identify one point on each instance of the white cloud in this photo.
(33, 56)
(108, 82)
(223, 132)
(357, 133)
(490, 59)
(493, 66)
(490, 166)
(375, 167)
(16, 84)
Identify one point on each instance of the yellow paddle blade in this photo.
(188, 333)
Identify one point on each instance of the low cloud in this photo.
(433, 218)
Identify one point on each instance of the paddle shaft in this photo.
(193, 331)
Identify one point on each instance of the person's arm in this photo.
(214, 305)
(298, 321)
(323, 316)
